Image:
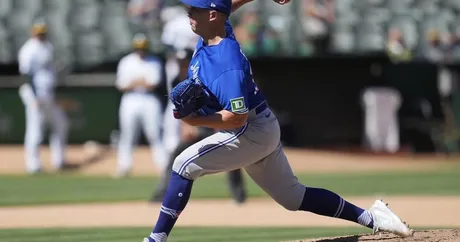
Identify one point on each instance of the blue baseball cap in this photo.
(223, 6)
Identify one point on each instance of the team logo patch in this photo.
(238, 104)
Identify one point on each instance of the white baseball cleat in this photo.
(385, 220)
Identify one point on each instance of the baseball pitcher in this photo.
(189, 136)
(138, 75)
(35, 59)
(220, 93)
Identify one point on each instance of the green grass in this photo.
(46, 189)
(179, 234)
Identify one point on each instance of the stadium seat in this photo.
(84, 16)
(359, 25)
(365, 5)
(59, 35)
(453, 4)
(370, 37)
(89, 49)
(376, 16)
(427, 6)
(3, 31)
(343, 6)
(117, 36)
(5, 52)
(18, 24)
(18, 20)
(31, 7)
(18, 39)
(5, 7)
(279, 28)
(57, 5)
(399, 6)
(350, 19)
(342, 41)
(78, 3)
(114, 7)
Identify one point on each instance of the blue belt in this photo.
(261, 107)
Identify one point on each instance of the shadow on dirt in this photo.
(342, 239)
(96, 158)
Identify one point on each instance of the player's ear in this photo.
(212, 15)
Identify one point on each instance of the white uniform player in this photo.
(138, 76)
(177, 35)
(36, 62)
(381, 106)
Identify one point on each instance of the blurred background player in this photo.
(190, 135)
(138, 76)
(35, 59)
(381, 125)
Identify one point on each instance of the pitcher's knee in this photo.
(290, 198)
(185, 167)
(290, 204)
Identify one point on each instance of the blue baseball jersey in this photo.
(226, 72)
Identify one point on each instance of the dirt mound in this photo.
(444, 235)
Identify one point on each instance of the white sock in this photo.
(158, 237)
(365, 218)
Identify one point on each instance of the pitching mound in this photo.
(444, 235)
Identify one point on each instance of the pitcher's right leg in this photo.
(166, 174)
(220, 152)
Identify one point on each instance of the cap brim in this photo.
(192, 3)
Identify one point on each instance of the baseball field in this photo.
(88, 204)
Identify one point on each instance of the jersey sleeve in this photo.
(122, 80)
(25, 60)
(26, 65)
(230, 90)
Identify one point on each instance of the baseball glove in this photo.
(188, 97)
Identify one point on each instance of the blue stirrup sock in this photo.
(174, 202)
(324, 202)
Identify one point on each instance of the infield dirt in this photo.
(103, 161)
(441, 235)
